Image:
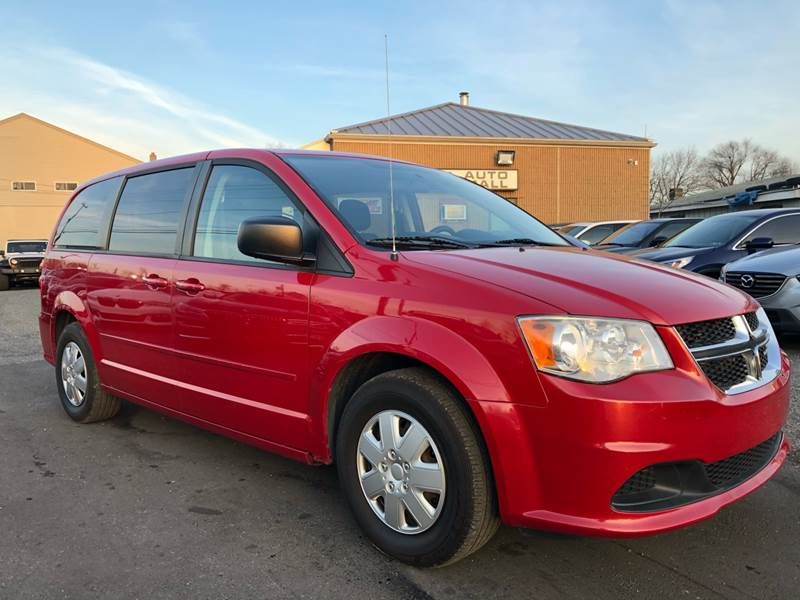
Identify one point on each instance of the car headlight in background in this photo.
(594, 350)
(12, 262)
(680, 262)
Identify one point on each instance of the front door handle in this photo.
(155, 282)
(190, 286)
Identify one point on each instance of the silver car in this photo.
(773, 278)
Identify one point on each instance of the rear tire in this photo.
(78, 383)
(418, 401)
(5, 283)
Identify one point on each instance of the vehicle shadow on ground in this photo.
(728, 556)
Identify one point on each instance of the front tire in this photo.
(78, 383)
(5, 282)
(414, 469)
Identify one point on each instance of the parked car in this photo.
(468, 366)
(19, 261)
(773, 278)
(644, 234)
(714, 242)
(593, 233)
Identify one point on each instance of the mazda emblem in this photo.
(748, 281)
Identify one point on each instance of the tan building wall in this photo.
(557, 182)
(33, 150)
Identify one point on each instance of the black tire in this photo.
(5, 283)
(97, 404)
(468, 518)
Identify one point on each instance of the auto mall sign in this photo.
(493, 179)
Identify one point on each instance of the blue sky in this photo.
(176, 77)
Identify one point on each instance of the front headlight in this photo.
(594, 350)
(13, 262)
(680, 262)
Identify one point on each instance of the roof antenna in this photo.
(393, 255)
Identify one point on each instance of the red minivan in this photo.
(471, 368)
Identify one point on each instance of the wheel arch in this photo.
(68, 307)
(380, 344)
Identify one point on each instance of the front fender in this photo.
(428, 342)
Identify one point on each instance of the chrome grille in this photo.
(728, 371)
(706, 333)
(757, 285)
(734, 353)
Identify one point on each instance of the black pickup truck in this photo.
(20, 261)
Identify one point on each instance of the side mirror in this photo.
(658, 240)
(758, 244)
(273, 238)
(2, 253)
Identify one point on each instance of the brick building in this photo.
(558, 172)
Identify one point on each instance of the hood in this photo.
(670, 253)
(614, 248)
(594, 283)
(785, 261)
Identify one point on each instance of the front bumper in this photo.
(19, 274)
(558, 466)
(783, 307)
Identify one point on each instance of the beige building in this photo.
(40, 166)
(558, 172)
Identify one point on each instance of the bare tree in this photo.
(672, 175)
(765, 163)
(723, 164)
(737, 161)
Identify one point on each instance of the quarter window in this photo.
(148, 213)
(783, 230)
(235, 193)
(85, 222)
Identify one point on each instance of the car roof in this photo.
(759, 213)
(155, 165)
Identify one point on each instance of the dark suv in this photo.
(644, 234)
(706, 247)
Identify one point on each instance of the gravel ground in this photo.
(143, 506)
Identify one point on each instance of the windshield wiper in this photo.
(519, 242)
(422, 241)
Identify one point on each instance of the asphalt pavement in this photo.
(144, 506)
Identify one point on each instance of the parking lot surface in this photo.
(144, 506)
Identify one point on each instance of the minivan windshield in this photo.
(26, 247)
(632, 234)
(713, 232)
(433, 209)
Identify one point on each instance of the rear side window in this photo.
(783, 230)
(85, 222)
(596, 234)
(670, 230)
(235, 193)
(150, 207)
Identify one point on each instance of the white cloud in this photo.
(116, 107)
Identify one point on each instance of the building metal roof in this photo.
(784, 188)
(725, 192)
(451, 119)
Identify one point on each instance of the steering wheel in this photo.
(443, 229)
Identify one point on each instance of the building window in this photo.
(23, 186)
(65, 186)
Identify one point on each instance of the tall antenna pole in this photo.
(389, 144)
